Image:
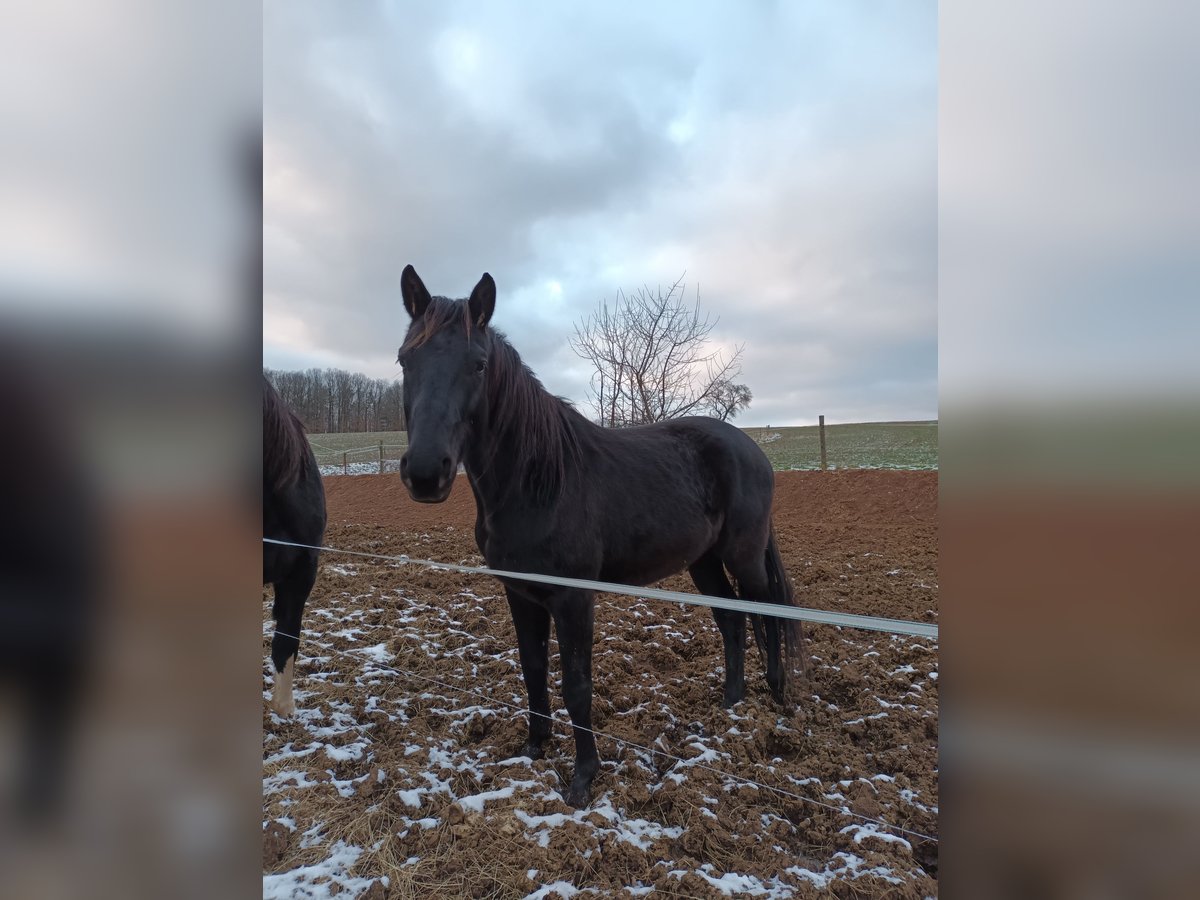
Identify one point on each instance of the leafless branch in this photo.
(654, 360)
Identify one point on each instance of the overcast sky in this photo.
(783, 154)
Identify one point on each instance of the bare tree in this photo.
(654, 360)
(727, 399)
(331, 400)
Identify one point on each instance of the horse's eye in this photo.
(480, 367)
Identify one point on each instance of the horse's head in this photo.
(444, 357)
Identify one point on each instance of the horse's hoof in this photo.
(579, 795)
(580, 792)
(532, 750)
(285, 710)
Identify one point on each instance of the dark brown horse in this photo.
(558, 495)
(293, 510)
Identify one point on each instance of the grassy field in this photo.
(874, 445)
(360, 445)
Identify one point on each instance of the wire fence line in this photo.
(789, 453)
(518, 710)
(795, 613)
(374, 448)
(373, 459)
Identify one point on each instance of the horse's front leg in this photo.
(573, 619)
(533, 643)
(290, 596)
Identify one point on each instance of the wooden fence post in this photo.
(824, 464)
(345, 467)
(381, 457)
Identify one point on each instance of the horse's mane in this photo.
(540, 429)
(284, 443)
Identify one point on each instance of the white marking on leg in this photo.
(281, 696)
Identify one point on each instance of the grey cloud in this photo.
(785, 158)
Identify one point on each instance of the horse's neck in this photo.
(495, 463)
(490, 469)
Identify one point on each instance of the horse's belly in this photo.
(641, 573)
(638, 553)
(653, 558)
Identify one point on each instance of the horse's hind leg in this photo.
(708, 573)
(533, 643)
(752, 582)
(291, 593)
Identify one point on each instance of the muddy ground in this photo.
(397, 777)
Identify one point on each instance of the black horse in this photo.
(293, 510)
(558, 495)
(51, 574)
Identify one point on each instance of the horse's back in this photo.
(680, 462)
(730, 455)
(663, 494)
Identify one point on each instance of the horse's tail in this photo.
(770, 631)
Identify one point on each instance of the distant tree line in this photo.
(332, 400)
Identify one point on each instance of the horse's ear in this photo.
(483, 301)
(416, 297)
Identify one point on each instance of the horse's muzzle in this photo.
(429, 480)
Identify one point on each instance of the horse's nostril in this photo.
(404, 464)
(446, 465)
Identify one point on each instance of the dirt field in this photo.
(392, 781)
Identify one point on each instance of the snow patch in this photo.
(475, 802)
(871, 830)
(558, 889)
(301, 881)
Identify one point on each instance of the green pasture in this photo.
(872, 445)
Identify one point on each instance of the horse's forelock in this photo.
(442, 313)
